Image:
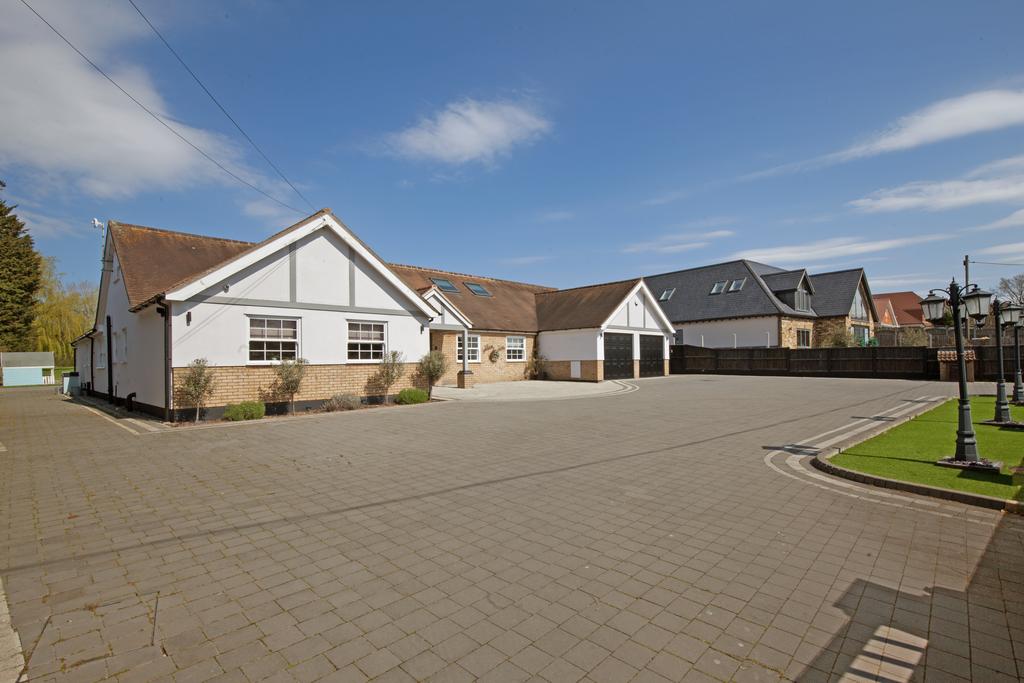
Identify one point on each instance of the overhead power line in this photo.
(160, 119)
(995, 263)
(219, 105)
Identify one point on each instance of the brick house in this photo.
(318, 292)
(744, 303)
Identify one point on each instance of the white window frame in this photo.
(101, 357)
(667, 294)
(249, 338)
(458, 348)
(124, 344)
(810, 339)
(736, 285)
(719, 287)
(521, 349)
(348, 340)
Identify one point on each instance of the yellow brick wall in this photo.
(485, 371)
(233, 384)
(825, 327)
(788, 328)
(590, 370)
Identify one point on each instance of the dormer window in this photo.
(719, 287)
(667, 294)
(477, 288)
(737, 285)
(444, 285)
(802, 300)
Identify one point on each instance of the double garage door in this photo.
(618, 356)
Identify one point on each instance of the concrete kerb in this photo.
(623, 387)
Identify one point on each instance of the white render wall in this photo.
(309, 283)
(571, 345)
(141, 370)
(725, 334)
(636, 312)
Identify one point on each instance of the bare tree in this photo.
(1013, 288)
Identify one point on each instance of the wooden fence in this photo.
(890, 362)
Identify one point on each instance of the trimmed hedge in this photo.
(246, 410)
(410, 396)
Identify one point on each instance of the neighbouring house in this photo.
(26, 368)
(744, 303)
(318, 292)
(900, 309)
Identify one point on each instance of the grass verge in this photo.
(908, 452)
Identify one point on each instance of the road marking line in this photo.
(3, 448)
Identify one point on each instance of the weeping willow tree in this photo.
(63, 312)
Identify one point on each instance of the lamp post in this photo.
(1018, 385)
(1005, 314)
(975, 304)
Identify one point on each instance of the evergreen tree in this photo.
(20, 277)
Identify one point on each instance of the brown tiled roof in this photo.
(582, 307)
(907, 306)
(510, 308)
(152, 260)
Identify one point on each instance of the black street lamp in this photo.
(1018, 385)
(1005, 314)
(975, 304)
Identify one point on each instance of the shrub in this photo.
(342, 402)
(432, 367)
(246, 410)
(410, 396)
(389, 371)
(197, 386)
(290, 374)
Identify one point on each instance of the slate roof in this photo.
(834, 292)
(831, 293)
(581, 307)
(906, 306)
(510, 308)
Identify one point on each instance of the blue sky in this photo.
(558, 143)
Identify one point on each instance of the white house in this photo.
(316, 291)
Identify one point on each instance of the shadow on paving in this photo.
(895, 636)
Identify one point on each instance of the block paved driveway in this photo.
(638, 537)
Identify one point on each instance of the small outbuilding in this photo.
(26, 368)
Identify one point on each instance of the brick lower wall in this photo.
(590, 370)
(233, 384)
(825, 328)
(788, 328)
(485, 371)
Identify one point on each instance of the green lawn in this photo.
(908, 452)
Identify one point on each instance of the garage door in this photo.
(652, 356)
(618, 356)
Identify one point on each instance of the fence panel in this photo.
(896, 362)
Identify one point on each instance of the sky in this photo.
(559, 143)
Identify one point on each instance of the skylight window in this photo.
(737, 285)
(444, 285)
(719, 287)
(476, 288)
(667, 294)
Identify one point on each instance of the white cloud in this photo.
(470, 130)
(1014, 220)
(977, 112)
(908, 280)
(835, 247)
(677, 243)
(64, 121)
(556, 216)
(996, 182)
(1006, 250)
(43, 226)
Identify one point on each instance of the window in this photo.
(719, 287)
(273, 339)
(515, 348)
(124, 344)
(859, 310)
(737, 285)
(115, 347)
(861, 334)
(803, 339)
(101, 344)
(366, 341)
(477, 289)
(667, 294)
(444, 285)
(802, 300)
(474, 349)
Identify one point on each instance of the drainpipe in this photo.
(164, 309)
(92, 359)
(110, 365)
